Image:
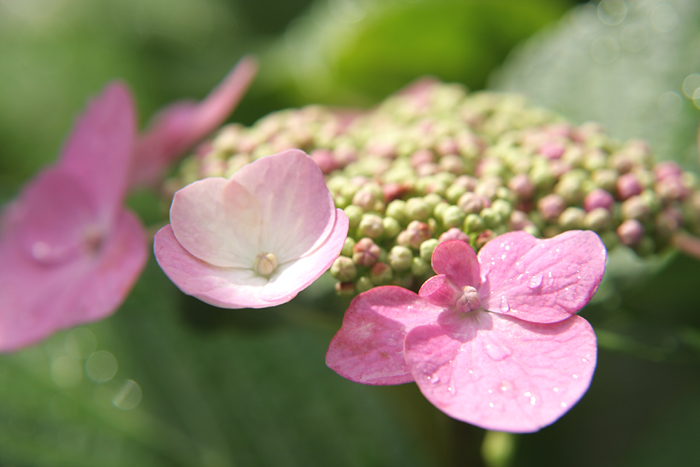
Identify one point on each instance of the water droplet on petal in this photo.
(435, 379)
(452, 390)
(535, 281)
(563, 404)
(491, 404)
(575, 376)
(556, 389)
(533, 401)
(505, 307)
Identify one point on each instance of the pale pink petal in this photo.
(37, 299)
(541, 281)
(222, 287)
(98, 151)
(502, 373)
(296, 275)
(178, 127)
(457, 260)
(369, 347)
(53, 214)
(440, 290)
(298, 212)
(218, 221)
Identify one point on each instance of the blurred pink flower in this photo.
(491, 341)
(256, 239)
(69, 251)
(176, 128)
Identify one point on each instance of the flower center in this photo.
(265, 264)
(469, 300)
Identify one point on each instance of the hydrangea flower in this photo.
(176, 128)
(69, 251)
(256, 239)
(491, 340)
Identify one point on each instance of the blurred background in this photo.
(170, 381)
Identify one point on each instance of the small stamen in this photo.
(469, 301)
(265, 264)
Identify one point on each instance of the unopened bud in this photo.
(483, 238)
(397, 210)
(551, 206)
(392, 227)
(354, 214)
(381, 274)
(597, 219)
(426, 249)
(473, 223)
(634, 208)
(417, 209)
(628, 185)
(363, 284)
(598, 198)
(400, 258)
(522, 186)
(419, 267)
(453, 234)
(572, 218)
(415, 234)
(469, 300)
(630, 232)
(348, 246)
(370, 226)
(471, 203)
(345, 288)
(605, 179)
(343, 269)
(453, 216)
(366, 252)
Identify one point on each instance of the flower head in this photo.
(491, 340)
(256, 239)
(69, 251)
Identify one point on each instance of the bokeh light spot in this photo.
(128, 397)
(664, 18)
(101, 366)
(605, 50)
(612, 12)
(80, 343)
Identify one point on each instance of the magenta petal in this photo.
(439, 290)
(501, 373)
(294, 276)
(178, 127)
(298, 212)
(98, 151)
(369, 347)
(541, 281)
(457, 260)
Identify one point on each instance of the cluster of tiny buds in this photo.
(435, 163)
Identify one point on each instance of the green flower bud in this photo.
(354, 214)
(417, 209)
(532, 230)
(503, 207)
(598, 219)
(419, 267)
(506, 195)
(345, 289)
(433, 199)
(453, 216)
(572, 218)
(348, 246)
(473, 223)
(440, 210)
(381, 274)
(392, 227)
(491, 217)
(370, 226)
(363, 284)
(606, 179)
(426, 249)
(343, 269)
(400, 258)
(397, 210)
(454, 192)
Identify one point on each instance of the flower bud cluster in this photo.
(434, 162)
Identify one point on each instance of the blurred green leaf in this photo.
(237, 387)
(625, 69)
(359, 51)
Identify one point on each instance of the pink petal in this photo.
(369, 347)
(37, 299)
(298, 212)
(541, 281)
(222, 287)
(178, 127)
(217, 221)
(53, 214)
(502, 373)
(296, 275)
(457, 260)
(98, 151)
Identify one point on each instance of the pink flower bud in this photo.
(325, 160)
(634, 208)
(558, 167)
(469, 300)
(667, 169)
(671, 188)
(628, 185)
(598, 198)
(453, 234)
(365, 252)
(519, 220)
(483, 238)
(420, 157)
(447, 146)
(471, 203)
(552, 150)
(466, 181)
(551, 206)
(522, 186)
(630, 232)
(416, 233)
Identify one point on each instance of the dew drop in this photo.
(435, 379)
(452, 390)
(491, 404)
(505, 307)
(584, 360)
(536, 281)
(563, 404)
(575, 376)
(556, 389)
(533, 401)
